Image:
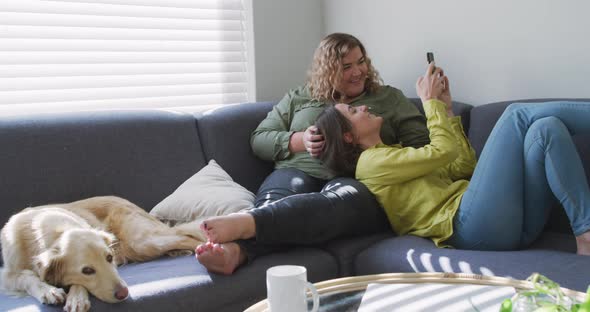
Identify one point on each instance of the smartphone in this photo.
(430, 59)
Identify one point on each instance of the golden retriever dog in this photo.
(79, 245)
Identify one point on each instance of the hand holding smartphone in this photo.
(445, 96)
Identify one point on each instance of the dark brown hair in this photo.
(337, 154)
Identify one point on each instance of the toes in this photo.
(203, 248)
(217, 248)
(220, 260)
(212, 236)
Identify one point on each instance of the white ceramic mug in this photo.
(286, 287)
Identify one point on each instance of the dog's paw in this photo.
(77, 300)
(52, 295)
(178, 253)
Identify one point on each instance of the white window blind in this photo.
(81, 54)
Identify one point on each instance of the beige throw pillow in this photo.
(209, 192)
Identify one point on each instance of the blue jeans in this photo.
(528, 161)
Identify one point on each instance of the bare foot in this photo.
(220, 258)
(229, 228)
(583, 244)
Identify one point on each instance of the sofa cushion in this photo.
(209, 192)
(182, 284)
(551, 256)
(225, 134)
(345, 250)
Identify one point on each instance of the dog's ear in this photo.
(50, 266)
(109, 238)
(113, 243)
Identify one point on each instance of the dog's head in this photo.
(83, 257)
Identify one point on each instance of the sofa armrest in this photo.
(225, 136)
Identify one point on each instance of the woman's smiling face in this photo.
(354, 74)
(364, 124)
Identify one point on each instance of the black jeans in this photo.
(293, 208)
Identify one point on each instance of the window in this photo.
(88, 54)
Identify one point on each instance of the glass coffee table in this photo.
(346, 294)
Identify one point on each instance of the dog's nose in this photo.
(121, 293)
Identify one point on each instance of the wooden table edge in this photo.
(354, 283)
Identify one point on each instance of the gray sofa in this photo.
(143, 155)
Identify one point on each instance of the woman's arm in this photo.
(463, 166)
(270, 140)
(275, 137)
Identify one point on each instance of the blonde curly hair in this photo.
(326, 68)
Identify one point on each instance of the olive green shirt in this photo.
(420, 189)
(402, 123)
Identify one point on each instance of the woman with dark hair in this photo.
(303, 201)
(528, 157)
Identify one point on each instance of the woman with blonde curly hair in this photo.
(326, 71)
(303, 202)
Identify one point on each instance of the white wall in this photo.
(491, 50)
(286, 33)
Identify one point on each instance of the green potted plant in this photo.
(546, 296)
